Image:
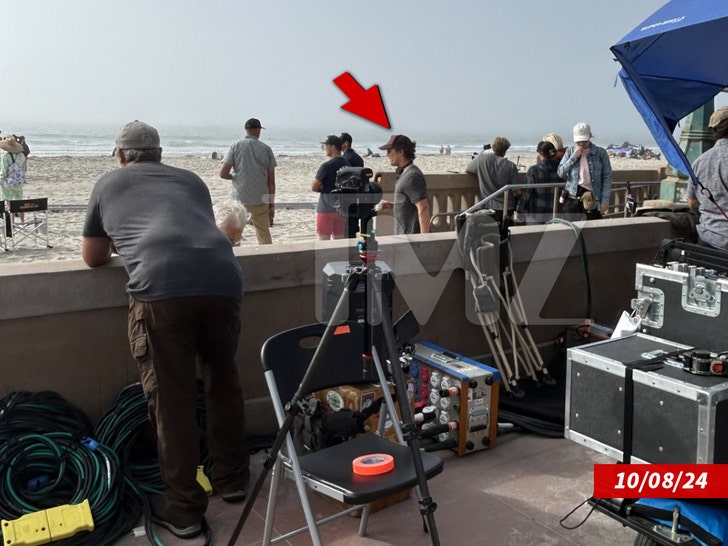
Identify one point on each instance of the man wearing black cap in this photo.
(709, 169)
(185, 288)
(329, 223)
(251, 165)
(354, 160)
(411, 209)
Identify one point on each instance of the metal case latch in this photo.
(700, 293)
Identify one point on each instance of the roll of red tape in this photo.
(373, 464)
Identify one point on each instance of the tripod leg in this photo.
(388, 407)
(427, 506)
(272, 497)
(339, 314)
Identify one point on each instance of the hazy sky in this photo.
(479, 67)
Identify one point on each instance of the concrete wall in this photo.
(63, 325)
(450, 192)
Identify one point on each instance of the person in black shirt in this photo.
(329, 223)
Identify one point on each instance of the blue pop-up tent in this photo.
(673, 63)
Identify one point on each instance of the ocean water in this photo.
(98, 140)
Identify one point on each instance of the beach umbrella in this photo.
(672, 63)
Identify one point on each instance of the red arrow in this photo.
(363, 103)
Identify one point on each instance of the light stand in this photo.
(370, 274)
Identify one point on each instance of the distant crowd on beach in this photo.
(581, 173)
(252, 182)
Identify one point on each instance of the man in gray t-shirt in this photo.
(710, 168)
(185, 288)
(495, 171)
(251, 165)
(411, 209)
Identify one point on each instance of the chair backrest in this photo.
(288, 355)
(28, 205)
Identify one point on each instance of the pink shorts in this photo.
(330, 223)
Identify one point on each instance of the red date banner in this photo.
(667, 481)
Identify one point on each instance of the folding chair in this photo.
(4, 225)
(34, 225)
(285, 358)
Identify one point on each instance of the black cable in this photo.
(531, 424)
(584, 261)
(41, 471)
(45, 411)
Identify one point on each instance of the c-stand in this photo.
(376, 319)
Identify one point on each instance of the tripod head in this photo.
(355, 196)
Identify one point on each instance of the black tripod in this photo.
(370, 275)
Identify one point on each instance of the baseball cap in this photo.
(554, 139)
(333, 140)
(397, 141)
(719, 117)
(137, 135)
(253, 123)
(582, 132)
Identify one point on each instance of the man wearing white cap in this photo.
(588, 174)
(709, 169)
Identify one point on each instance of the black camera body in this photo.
(354, 194)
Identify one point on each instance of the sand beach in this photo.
(67, 182)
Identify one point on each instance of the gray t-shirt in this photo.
(161, 222)
(711, 168)
(409, 189)
(493, 172)
(251, 160)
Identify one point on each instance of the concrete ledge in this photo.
(63, 325)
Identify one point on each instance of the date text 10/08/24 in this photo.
(679, 481)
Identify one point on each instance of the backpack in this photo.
(14, 176)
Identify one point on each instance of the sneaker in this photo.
(156, 504)
(190, 531)
(235, 496)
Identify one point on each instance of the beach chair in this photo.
(329, 471)
(34, 225)
(4, 226)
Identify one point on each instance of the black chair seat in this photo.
(334, 466)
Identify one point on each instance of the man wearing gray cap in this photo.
(185, 288)
(251, 165)
(709, 168)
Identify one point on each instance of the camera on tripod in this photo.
(354, 194)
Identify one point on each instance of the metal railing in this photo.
(640, 190)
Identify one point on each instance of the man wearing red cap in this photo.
(411, 208)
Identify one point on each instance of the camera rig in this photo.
(355, 196)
